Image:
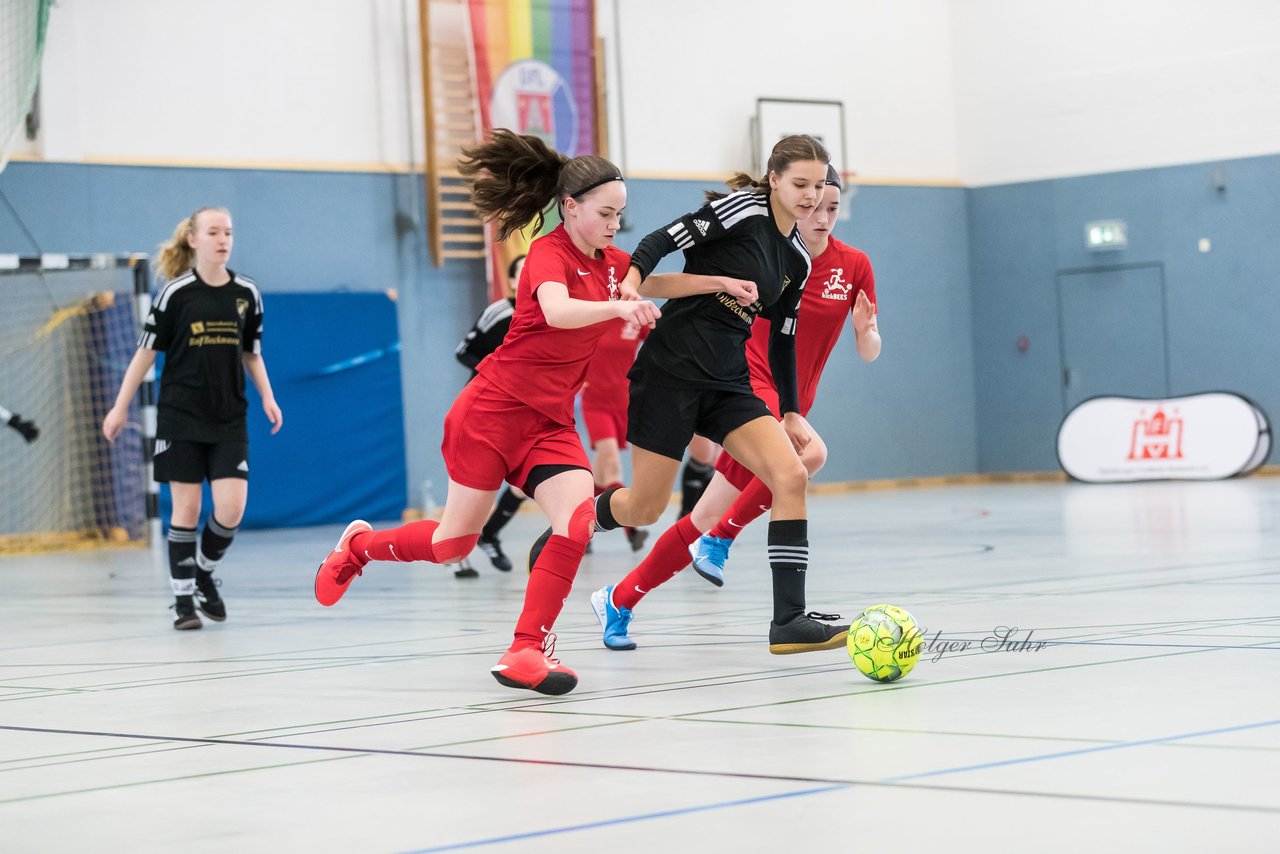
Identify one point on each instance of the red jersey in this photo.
(829, 294)
(537, 364)
(607, 385)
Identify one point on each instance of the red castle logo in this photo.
(1156, 438)
(536, 116)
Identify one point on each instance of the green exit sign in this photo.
(1105, 234)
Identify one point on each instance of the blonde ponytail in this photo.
(176, 256)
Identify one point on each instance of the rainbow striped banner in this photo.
(535, 74)
(535, 69)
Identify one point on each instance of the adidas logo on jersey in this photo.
(702, 226)
(244, 466)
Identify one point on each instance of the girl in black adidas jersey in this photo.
(691, 376)
(207, 320)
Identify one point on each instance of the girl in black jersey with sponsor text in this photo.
(207, 320)
(691, 376)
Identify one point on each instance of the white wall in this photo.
(293, 81)
(1052, 88)
(984, 91)
(228, 81)
(691, 71)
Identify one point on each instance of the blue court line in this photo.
(534, 834)
(1079, 752)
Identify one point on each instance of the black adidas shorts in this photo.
(193, 462)
(663, 419)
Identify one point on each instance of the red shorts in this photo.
(735, 472)
(603, 424)
(489, 437)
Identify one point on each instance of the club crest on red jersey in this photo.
(613, 284)
(835, 287)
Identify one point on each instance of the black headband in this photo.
(591, 187)
(833, 178)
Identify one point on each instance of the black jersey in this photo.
(700, 342)
(203, 331)
(487, 333)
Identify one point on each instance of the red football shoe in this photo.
(340, 567)
(535, 670)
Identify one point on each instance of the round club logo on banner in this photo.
(1198, 437)
(531, 98)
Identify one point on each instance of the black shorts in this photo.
(193, 462)
(663, 419)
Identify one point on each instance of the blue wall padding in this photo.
(334, 364)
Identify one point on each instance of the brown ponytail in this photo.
(786, 151)
(176, 255)
(514, 179)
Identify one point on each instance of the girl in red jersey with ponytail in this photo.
(514, 421)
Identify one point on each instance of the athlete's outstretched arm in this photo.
(564, 312)
(673, 285)
(863, 317)
(24, 426)
(114, 421)
(257, 370)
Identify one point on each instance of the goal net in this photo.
(68, 328)
(22, 30)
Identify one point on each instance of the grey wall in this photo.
(1222, 307)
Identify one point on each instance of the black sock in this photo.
(604, 512)
(214, 542)
(789, 560)
(182, 560)
(508, 504)
(693, 482)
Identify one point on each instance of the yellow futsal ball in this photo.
(884, 643)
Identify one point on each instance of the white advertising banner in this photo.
(1198, 437)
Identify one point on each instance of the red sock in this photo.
(409, 542)
(549, 586)
(753, 503)
(670, 554)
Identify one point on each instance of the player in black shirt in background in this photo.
(482, 339)
(691, 376)
(207, 320)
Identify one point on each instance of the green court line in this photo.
(960, 734)
(907, 686)
(311, 729)
(183, 778)
(356, 753)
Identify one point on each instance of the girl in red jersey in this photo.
(840, 285)
(514, 421)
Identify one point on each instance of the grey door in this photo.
(1113, 333)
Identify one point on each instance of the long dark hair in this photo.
(786, 151)
(514, 178)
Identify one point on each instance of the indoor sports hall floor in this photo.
(1150, 722)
